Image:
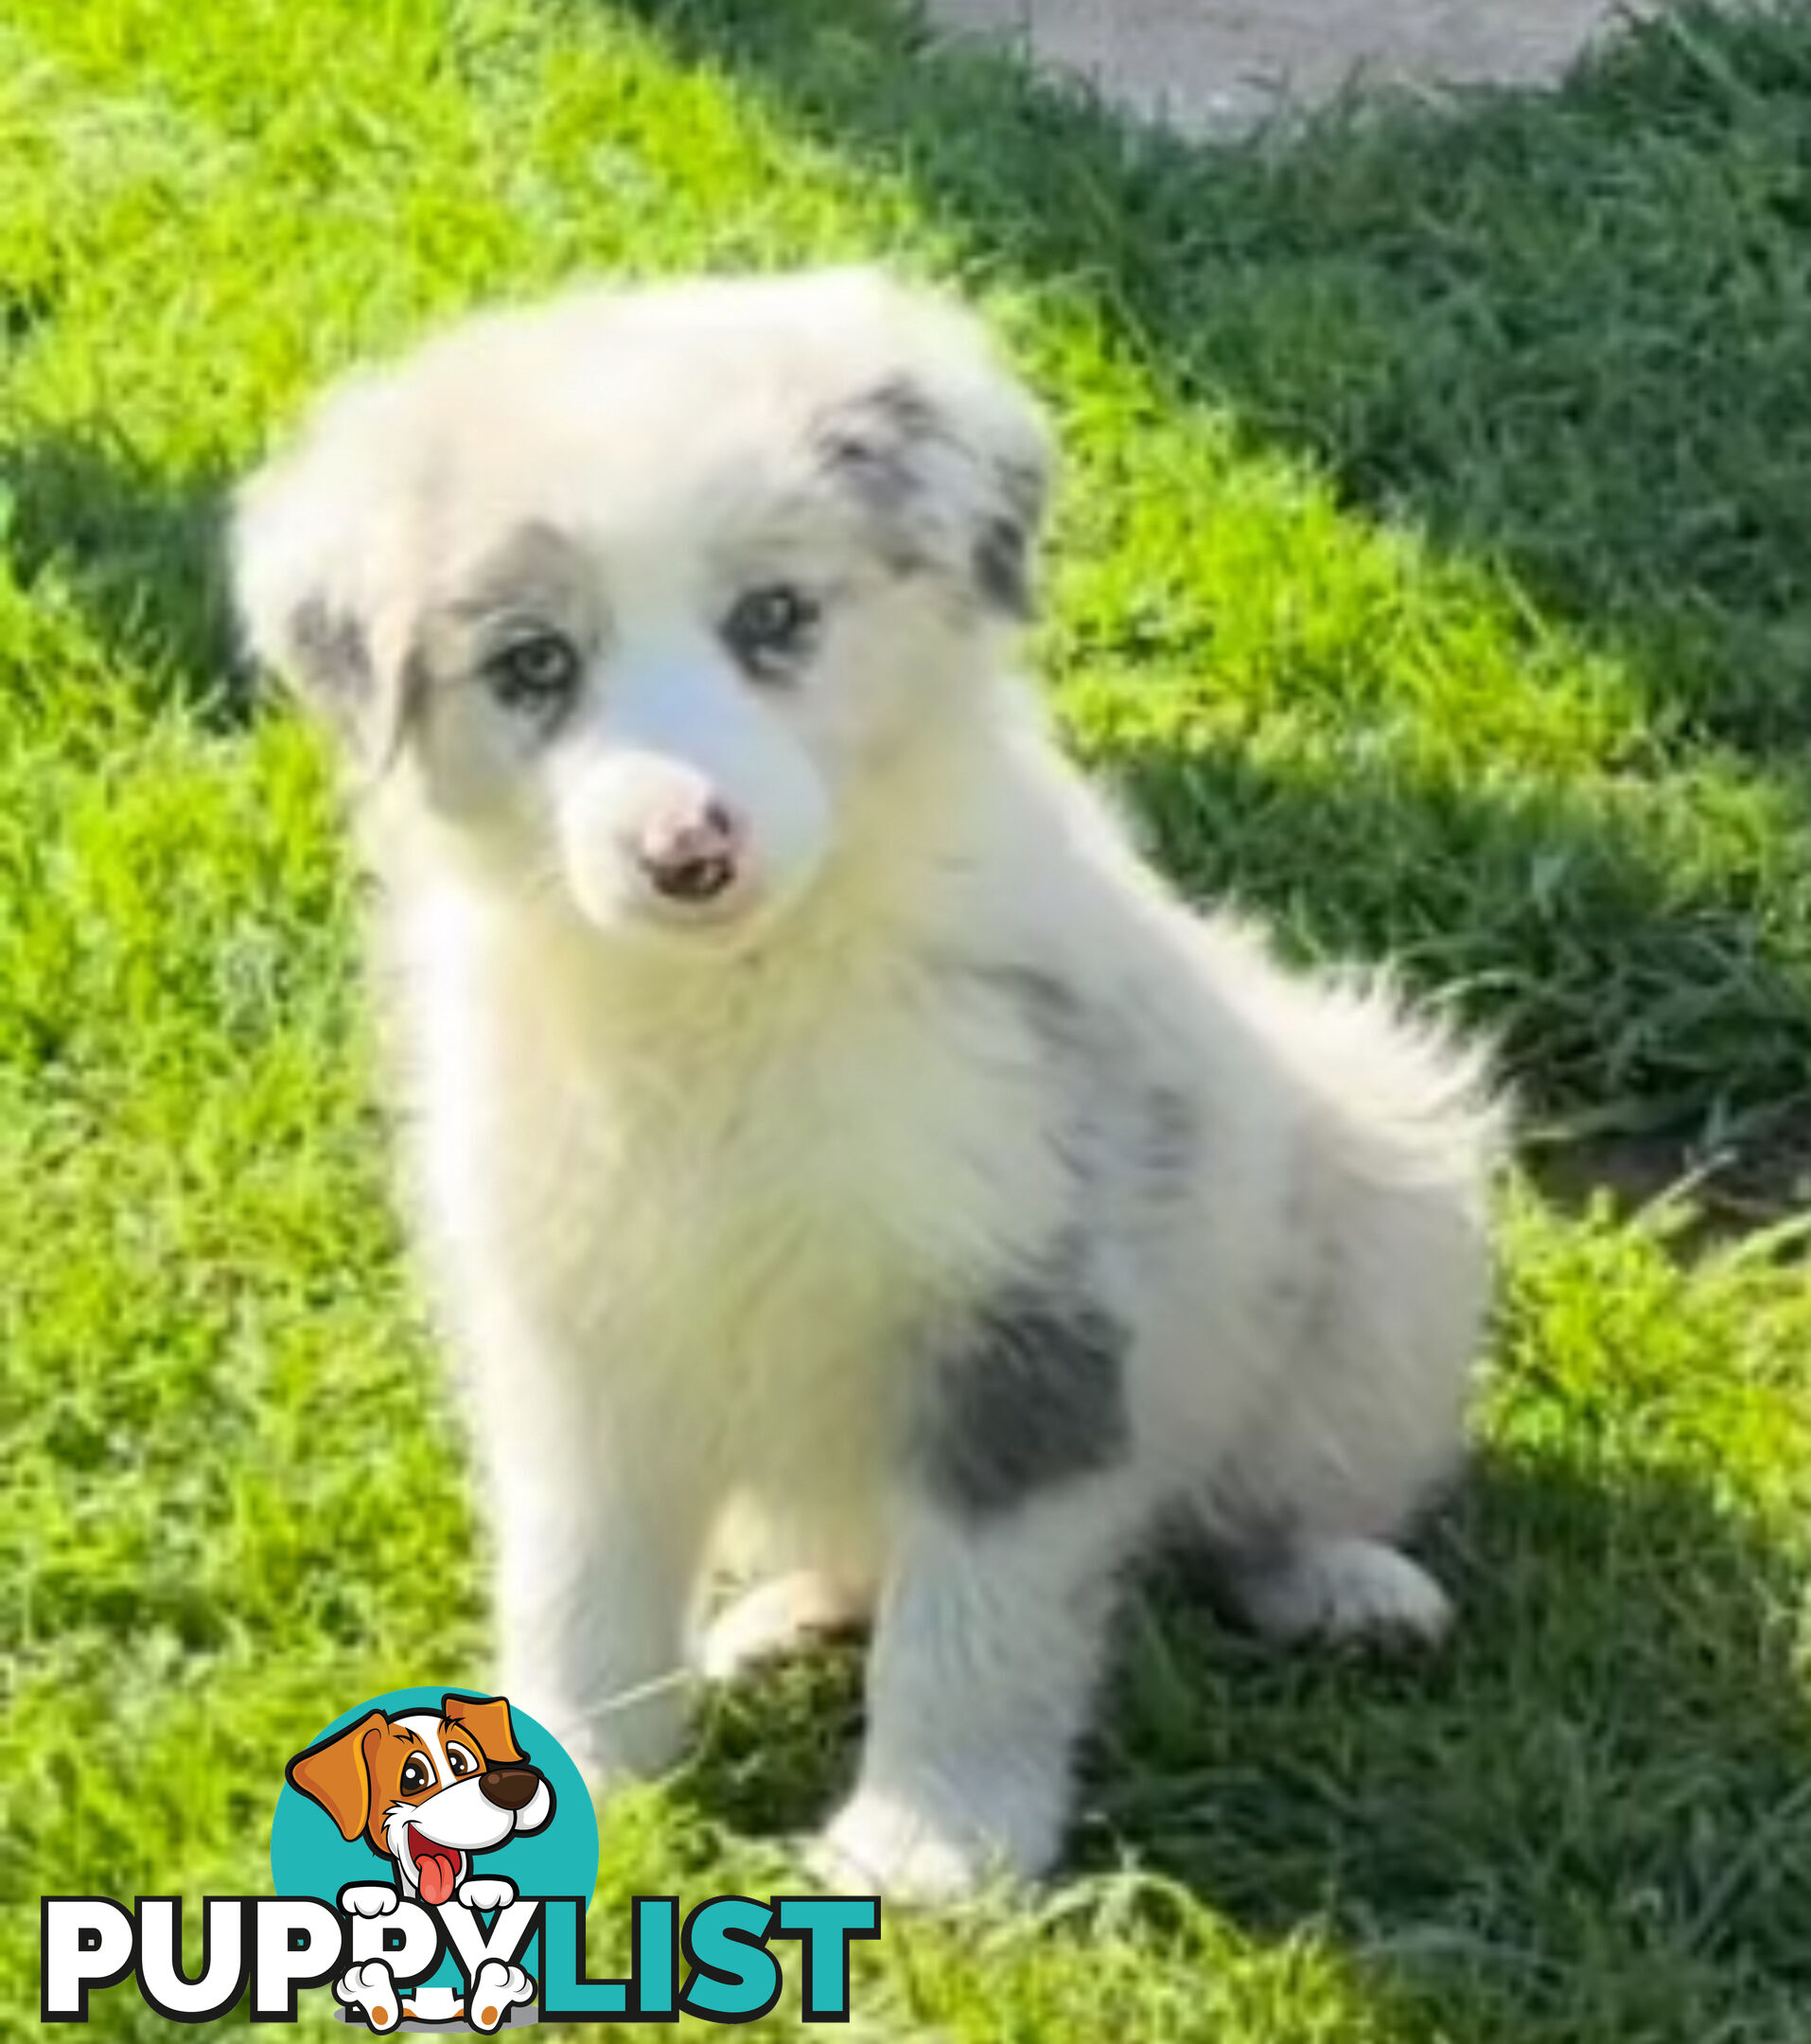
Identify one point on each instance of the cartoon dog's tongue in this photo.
(436, 1868)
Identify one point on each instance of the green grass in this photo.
(1432, 564)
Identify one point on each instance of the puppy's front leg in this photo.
(598, 1537)
(986, 1650)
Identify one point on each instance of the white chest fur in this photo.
(731, 1200)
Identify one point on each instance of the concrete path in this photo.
(1216, 66)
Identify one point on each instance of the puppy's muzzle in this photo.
(509, 1788)
(691, 856)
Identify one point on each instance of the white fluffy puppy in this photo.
(817, 1109)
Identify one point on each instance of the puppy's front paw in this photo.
(497, 1989)
(370, 1987)
(888, 1845)
(773, 1619)
(487, 1895)
(367, 1898)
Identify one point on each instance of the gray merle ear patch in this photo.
(329, 654)
(1001, 571)
(325, 649)
(907, 464)
(873, 445)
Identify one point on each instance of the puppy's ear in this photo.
(950, 455)
(336, 1774)
(306, 543)
(489, 1721)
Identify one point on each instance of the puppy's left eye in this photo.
(461, 1761)
(768, 626)
(536, 674)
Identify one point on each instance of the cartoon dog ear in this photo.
(489, 1720)
(336, 1775)
(307, 542)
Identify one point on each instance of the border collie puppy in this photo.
(827, 1138)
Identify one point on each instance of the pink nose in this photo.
(691, 854)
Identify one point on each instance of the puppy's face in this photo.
(634, 593)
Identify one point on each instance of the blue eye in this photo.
(535, 675)
(769, 626)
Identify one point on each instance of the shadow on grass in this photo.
(1591, 1811)
(140, 556)
(1589, 1817)
(1561, 331)
(1629, 992)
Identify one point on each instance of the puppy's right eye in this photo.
(535, 675)
(415, 1776)
(770, 627)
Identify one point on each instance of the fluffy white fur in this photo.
(733, 1205)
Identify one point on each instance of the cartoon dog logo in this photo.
(426, 1790)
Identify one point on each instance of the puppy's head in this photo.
(634, 590)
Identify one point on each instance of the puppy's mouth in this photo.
(436, 1868)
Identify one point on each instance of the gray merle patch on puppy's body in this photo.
(1069, 1037)
(1052, 1010)
(1124, 1125)
(1028, 1393)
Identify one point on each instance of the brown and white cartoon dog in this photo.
(425, 1789)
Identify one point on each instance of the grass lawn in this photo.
(1434, 563)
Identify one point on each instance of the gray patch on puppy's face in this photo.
(534, 567)
(1029, 1393)
(331, 657)
(535, 578)
(532, 585)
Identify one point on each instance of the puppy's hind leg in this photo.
(1337, 1590)
(1365, 1426)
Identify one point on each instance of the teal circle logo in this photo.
(439, 1795)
